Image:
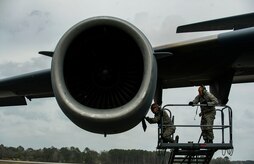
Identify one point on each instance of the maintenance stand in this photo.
(197, 152)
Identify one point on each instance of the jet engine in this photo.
(104, 75)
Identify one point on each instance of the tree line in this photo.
(74, 155)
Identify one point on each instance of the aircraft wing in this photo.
(15, 90)
(208, 59)
(105, 73)
(217, 61)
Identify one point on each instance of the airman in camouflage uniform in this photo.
(168, 127)
(207, 112)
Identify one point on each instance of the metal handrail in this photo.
(221, 127)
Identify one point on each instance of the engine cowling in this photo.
(104, 75)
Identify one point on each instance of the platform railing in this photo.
(191, 145)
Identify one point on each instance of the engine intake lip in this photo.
(100, 119)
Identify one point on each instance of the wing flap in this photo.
(228, 23)
(13, 101)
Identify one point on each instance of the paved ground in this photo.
(27, 162)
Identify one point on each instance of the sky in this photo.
(28, 26)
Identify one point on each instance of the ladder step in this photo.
(191, 156)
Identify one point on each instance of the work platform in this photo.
(197, 152)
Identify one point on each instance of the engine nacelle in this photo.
(104, 75)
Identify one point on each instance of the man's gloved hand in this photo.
(148, 119)
(191, 103)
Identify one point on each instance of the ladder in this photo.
(191, 156)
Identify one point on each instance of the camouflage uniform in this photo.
(207, 114)
(168, 128)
